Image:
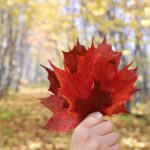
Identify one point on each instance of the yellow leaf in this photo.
(126, 52)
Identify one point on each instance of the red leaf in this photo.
(107, 53)
(70, 58)
(55, 103)
(96, 101)
(116, 109)
(62, 121)
(54, 83)
(86, 63)
(73, 87)
(89, 82)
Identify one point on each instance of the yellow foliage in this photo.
(145, 22)
(126, 52)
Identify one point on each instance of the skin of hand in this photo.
(95, 133)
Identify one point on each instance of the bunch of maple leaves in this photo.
(89, 82)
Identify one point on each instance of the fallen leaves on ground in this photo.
(21, 122)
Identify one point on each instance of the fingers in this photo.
(95, 133)
(111, 138)
(92, 119)
(115, 147)
(103, 128)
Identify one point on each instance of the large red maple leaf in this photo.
(89, 82)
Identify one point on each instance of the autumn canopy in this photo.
(89, 82)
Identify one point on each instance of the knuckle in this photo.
(86, 136)
(115, 136)
(82, 132)
(78, 130)
(118, 147)
(100, 140)
(94, 144)
(110, 125)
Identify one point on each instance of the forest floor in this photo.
(22, 116)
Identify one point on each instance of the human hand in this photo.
(94, 133)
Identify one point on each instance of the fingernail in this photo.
(96, 115)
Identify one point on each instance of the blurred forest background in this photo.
(34, 31)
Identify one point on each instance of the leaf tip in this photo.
(78, 43)
(92, 45)
(104, 39)
(47, 69)
(69, 48)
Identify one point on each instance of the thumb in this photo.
(92, 119)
